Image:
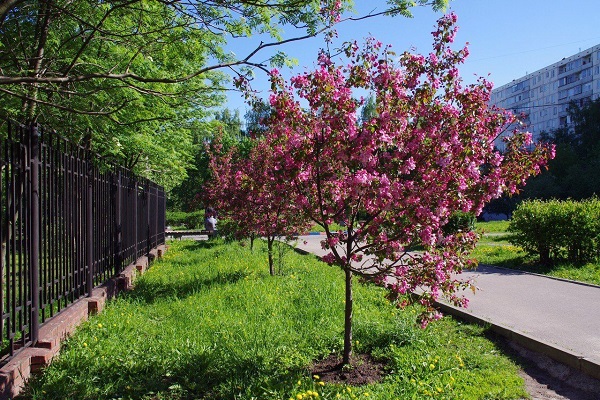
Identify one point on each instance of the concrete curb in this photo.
(557, 353)
(14, 375)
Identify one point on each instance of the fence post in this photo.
(35, 233)
(89, 226)
(135, 217)
(148, 247)
(118, 228)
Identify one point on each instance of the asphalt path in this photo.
(556, 317)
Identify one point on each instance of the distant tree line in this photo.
(575, 171)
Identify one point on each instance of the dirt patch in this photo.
(365, 369)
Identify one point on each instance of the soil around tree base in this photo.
(364, 370)
(545, 379)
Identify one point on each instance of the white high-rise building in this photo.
(542, 97)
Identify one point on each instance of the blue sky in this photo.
(507, 38)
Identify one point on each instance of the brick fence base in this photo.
(15, 373)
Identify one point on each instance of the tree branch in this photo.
(64, 108)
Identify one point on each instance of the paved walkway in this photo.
(555, 317)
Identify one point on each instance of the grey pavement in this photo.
(558, 318)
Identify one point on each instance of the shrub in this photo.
(460, 222)
(186, 220)
(557, 229)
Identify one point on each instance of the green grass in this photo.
(494, 248)
(492, 226)
(207, 321)
(333, 227)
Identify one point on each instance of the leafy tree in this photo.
(256, 118)
(101, 75)
(575, 172)
(130, 78)
(394, 180)
(369, 109)
(231, 123)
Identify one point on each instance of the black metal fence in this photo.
(67, 225)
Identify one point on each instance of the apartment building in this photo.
(542, 97)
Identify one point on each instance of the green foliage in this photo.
(134, 80)
(144, 123)
(208, 321)
(186, 220)
(256, 117)
(460, 222)
(369, 109)
(575, 171)
(188, 195)
(494, 249)
(556, 229)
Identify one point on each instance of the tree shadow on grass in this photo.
(193, 376)
(150, 292)
(193, 245)
(498, 238)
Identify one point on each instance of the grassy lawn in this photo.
(208, 322)
(495, 249)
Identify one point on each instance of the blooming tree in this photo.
(248, 190)
(394, 180)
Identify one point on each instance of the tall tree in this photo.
(575, 172)
(394, 180)
(128, 76)
(256, 118)
(231, 123)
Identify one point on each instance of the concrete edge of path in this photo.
(564, 356)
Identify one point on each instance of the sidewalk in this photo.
(558, 318)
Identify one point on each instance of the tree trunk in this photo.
(252, 242)
(347, 359)
(36, 61)
(270, 241)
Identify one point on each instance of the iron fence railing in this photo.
(67, 225)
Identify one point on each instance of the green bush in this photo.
(554, 230)
(185, 220)
(460, 222)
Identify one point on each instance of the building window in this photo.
(563, 94)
